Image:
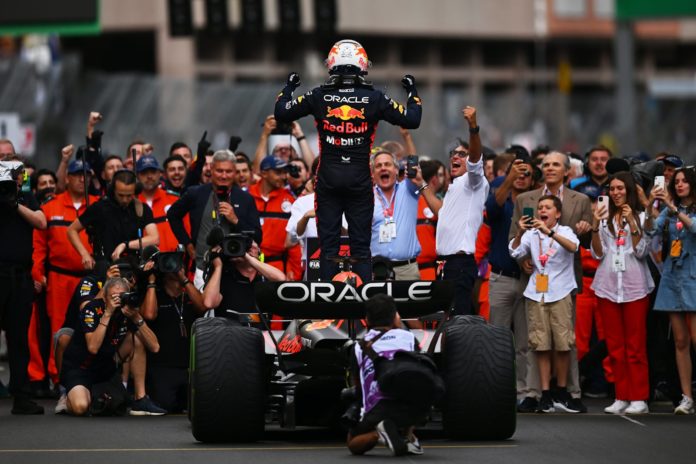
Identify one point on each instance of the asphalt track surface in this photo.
(659, 437)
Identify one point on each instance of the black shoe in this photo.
(528, 404)
(577, 405)
(564, 402)
(545, 404)
(25, 406)
(392, 438)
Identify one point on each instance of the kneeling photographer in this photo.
(103, 333)
(389, 419)
(236, 267)
(171, 305)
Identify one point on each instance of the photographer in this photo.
(101, 335)
(384, 419)
(116, 224)
(171, 305)
(20, 216)
(230, 287)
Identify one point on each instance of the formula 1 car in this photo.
(243, 377)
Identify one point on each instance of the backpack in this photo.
(409, 376)
(109, 399)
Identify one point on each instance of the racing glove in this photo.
(293, 81)
(409, 83)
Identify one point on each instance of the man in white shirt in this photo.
(460, 215)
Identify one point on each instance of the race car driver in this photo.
(346, 110)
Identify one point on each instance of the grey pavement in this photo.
(568, 438)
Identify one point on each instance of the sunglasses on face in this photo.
(460, 153)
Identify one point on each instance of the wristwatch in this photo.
(140, 322)
(474, 130)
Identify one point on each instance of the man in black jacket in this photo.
(218, 204)
(347, 110)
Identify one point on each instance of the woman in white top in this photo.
(623, 285)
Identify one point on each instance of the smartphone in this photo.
(660, 182)
(603, 200)
(529, 212)
(411, 164)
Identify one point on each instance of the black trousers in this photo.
(345, 189)
(16, 295)
(462, 270)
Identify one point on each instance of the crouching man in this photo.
(384, 420)
(107, 328)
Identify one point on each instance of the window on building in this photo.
(570, 8)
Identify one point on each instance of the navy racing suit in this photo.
(346, 118)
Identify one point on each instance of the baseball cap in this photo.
(78, 166)
(145, 163)
(590, 189)
(272, 162)
(673, 160)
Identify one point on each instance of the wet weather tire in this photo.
(228, 383)
(479, 372)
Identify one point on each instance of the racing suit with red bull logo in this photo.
(346, 120)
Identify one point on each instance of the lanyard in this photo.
(388, 212)
(180, 312)
(621, 234)
(544, 257)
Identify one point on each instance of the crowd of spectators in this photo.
(575, 261)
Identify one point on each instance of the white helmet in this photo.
(348, 53)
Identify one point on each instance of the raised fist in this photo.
(408, 82)
(293, 80)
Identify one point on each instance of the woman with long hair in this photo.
(677, 291)
(623, 284)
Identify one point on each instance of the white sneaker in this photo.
(686, 406)
(413, 446)
(637, 407)
(617, 407)
(62, 405)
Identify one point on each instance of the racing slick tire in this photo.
(228, 383)
(479, 371)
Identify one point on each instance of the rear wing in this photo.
(338, 300)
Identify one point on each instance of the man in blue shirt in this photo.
(394, 217)
(506, 289)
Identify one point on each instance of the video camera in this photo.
(236, 245)
(233, 245)
(9, 171)
(644, 173)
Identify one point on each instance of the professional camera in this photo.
(131, 299)
(170, 261)
(165, 262)
(293, 171)
(236, 245)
